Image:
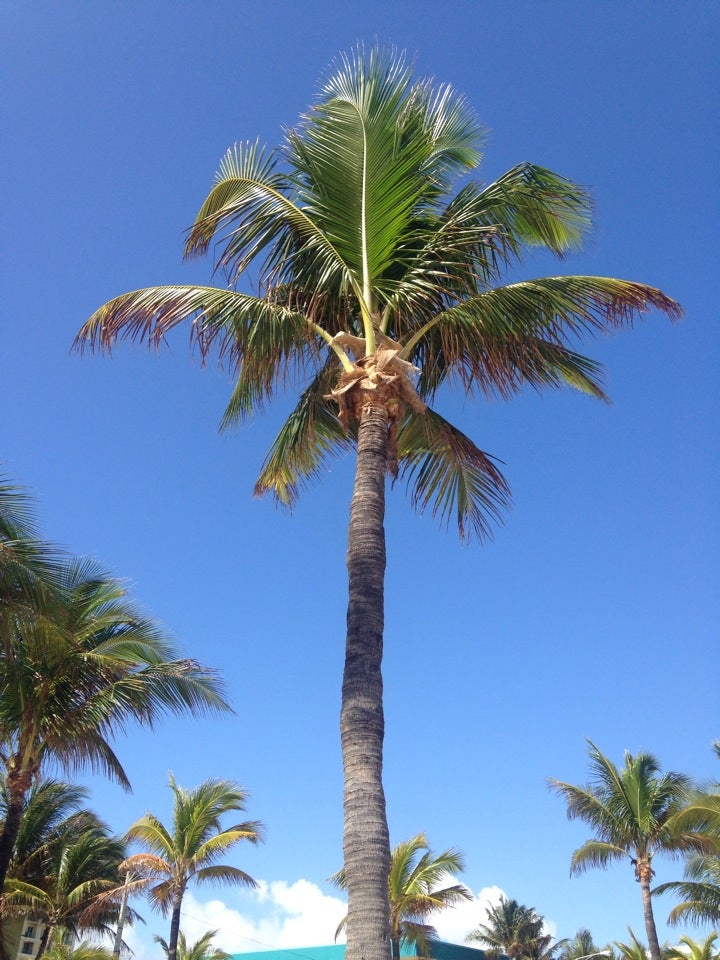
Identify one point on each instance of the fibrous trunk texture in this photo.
(175, 924)
(645, 876)
(366, 843)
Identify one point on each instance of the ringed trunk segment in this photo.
(644, 873)
(366, 844)
(175, 924)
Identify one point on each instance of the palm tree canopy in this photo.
(53, 811)
(379, 266)
(80, 886)
(190, 850)
(634, 811)
(80, 672)
(417, 887)
(514, 930)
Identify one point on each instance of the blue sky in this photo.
(593, 613)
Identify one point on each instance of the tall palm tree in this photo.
(514, 930)
(378, 285)
(635, 813)
(190, 850)
(416, 891)
(78, 664)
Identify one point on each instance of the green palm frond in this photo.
(596, 853)
(534, 206)
(446, 472)
(500, 340)
(309, 437)
(378, 144)
(230, 876)
(258, 208)
(699, 892)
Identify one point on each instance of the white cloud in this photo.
(278, 914)
(455, 923)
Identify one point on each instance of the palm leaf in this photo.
(498, 341)
(446, 471)
(257, 204)
(309, 437)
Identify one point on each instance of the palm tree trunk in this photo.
(16, 801)
(366, 844)
(175, 925)
(45, 940)
(644, 876)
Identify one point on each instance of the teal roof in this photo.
(336, 951)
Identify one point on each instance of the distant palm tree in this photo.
(633, 950)
(516, 931)
(202, 949)
(381, 268)
(78, 664)
(582, 945)
(189, 850)
(635, 813)
(416, 891)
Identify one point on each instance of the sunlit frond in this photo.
(501, 340)
(447, 473)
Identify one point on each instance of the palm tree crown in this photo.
(515, 931)
(379, 267)
(635, 813)
(191, 850)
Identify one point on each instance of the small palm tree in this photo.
(514, 930)
(582, 947)
(78, 664)
(202, 949)
(381, 271)
(633, 950)
(190, 850)
(416, 891)
(635, 813)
